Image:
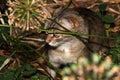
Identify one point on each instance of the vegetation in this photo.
(20, 60)
(96, 69)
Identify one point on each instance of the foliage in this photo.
(96, 69)
(21, 73)
(105, 17)
(25, 14)
(115, 52)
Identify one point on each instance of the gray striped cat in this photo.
(67, 48)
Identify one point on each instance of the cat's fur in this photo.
(67, 48)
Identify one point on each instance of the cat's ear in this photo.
(70, 23)
(66, 23)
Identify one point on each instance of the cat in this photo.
(66, 48)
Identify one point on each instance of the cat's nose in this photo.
(49, 39)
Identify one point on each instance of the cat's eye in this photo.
(55, 35)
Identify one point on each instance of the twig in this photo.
(5, 63)
(113, 10)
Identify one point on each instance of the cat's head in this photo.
(56, 40)
(68, 21)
